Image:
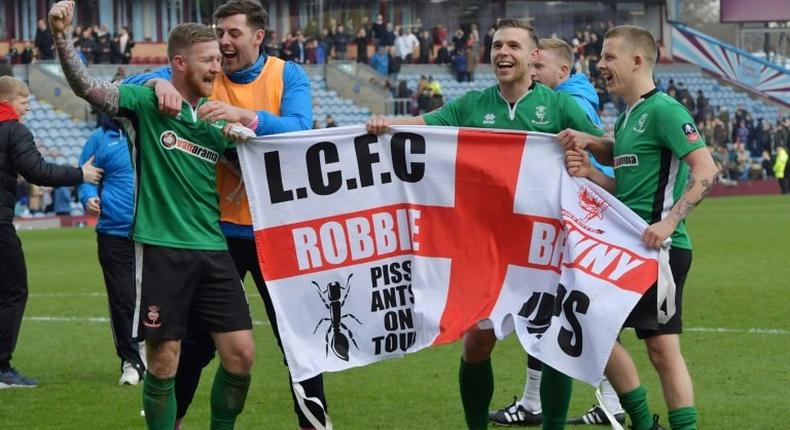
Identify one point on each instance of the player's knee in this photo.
(478, 345)
(162, 356)
(664, 353)
(239, 361)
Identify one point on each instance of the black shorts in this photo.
(644, 316)
(175, 286)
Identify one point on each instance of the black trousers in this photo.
(116, 257)
(197, 349)
(13, 291)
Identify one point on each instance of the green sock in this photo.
(683, 418)
(159, 402)
(477, 387)
(228, 394)
(635, 404)
(555, 397)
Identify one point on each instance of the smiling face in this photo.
(512, 53)
(548, 69)
(239, 43)
(616, 65)
(203, 65)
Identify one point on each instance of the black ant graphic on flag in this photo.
(338, 341)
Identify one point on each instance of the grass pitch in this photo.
(737, 344)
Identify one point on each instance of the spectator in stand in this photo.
(473, 41)
(684, 92)
(719, 133)
(377, 30)
(426, 47)
(488, 41)
(394, 62)
(61, 201)
(361, 42)
(341, 39)
(724, 117)
(269, 45)
(780, 169)
(27, 54)
(701, 106)
(316, 124)
(459, 41)
(439, 34)
(688, 102)
(299, 50)
(443, 55)
(705, 126)
(782, 133)
(124, 45)
(405, 44)
(86, 45)
(330, 121)
(741, 134)
(44, 42)
(460, 66)
(471, 64)
(103, 49)
(592, 66)
(327, 41)
(388, 38)
(741, 164)
(662, 86)
(380, 61)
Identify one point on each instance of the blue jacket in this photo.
(116, 190)
(584, 93)
(380, 62)
(296, 111)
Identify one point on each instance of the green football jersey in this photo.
(176, 201)
(541, 109)
(651, 139)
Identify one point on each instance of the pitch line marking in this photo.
(776, 331)
(93, 320)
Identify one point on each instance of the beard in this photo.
(198, 83)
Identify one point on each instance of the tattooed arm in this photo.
(102, 94)
(703, 175)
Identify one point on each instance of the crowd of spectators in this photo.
(744, 147)
(96, 44)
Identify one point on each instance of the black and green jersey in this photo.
(540, 109)
(176, 202)
(651, 139)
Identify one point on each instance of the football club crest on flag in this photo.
(377, 246)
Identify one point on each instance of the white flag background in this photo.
(373, 247)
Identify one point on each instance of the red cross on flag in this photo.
(373, 247)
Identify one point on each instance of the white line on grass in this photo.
(89, 294)
(93, 320)
(778, 331)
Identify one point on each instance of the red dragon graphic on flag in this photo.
(591, 204)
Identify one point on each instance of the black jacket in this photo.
(19, 156)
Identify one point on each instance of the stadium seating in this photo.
(716, 93)
(326, 102)
(59, 138)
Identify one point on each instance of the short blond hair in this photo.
(637, 39)
(183, 36)
(560, 46)
(11, 87)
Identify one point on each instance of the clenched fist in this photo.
(60, 16)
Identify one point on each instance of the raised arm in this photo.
(101, 94)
